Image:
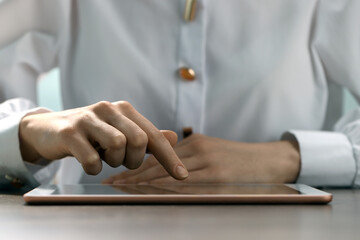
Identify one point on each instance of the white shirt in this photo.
(263, 68)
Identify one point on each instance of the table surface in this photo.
(338, 220)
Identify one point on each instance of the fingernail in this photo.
(182, 172)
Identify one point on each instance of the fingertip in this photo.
(91, 164)
(92, 168)
(181, 172)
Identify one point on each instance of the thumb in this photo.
(170, 136)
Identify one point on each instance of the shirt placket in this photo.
(190, 72)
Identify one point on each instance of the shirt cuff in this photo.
(13, 172)
(327, 158)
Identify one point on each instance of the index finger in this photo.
(159, 146)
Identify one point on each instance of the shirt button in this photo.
(15, 182)
(187, 131)
(187, 74)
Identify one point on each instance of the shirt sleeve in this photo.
(326, 158)
(13, 170)
(28, 47)
(333, 158)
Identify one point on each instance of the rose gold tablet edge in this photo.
(180, 199)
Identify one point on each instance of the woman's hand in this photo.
(214, 160)
(116, 131)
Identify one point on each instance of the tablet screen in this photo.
(227, 189)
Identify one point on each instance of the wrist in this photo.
(288, 155)
(278, 162)
(28, 152)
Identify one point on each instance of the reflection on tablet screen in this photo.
(125, 189)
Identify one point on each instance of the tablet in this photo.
(179, 193)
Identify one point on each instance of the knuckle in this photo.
(68, 132)
(156, 134)
(118, 141)
(85, 117)
(125, 106)
(87, 114)
(102, 105)
(139, 140)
